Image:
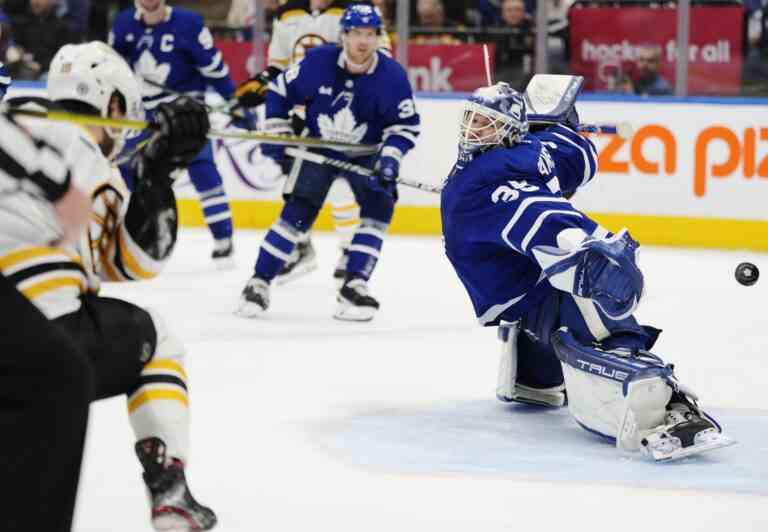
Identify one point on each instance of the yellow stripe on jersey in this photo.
(157, 395)
(167, 364)
(17, 257)
(291, 13)
(334, 11)
(131, 262)
(43, 287)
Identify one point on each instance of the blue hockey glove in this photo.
(603, 270)
(387, 170)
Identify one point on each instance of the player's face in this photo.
(480, 128)
(151, 5)
(360, 44)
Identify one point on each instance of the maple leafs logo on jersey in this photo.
(149, 70)
(343, 127)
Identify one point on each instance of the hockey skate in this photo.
(173, 506)
(341, 267)
(303, 261)
(254, 299)
(687, 432)
(223, 254)
(354, 302)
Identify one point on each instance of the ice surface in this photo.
(300, 422)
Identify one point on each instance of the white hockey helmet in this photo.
(92, 73)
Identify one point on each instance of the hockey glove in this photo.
(603, 270)
(387, 170)
(182, 127)
(254, 91)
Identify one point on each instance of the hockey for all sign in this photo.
(612, 46)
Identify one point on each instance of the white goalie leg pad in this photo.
(507, 387)
(615, 395)
(158, 405)
(345, 211)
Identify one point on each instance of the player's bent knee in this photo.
(300, 213)
(168, 346)
(620, 395)
(380, 207)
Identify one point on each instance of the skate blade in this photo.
(718, 442)
(346, 312)
(175, 521)
(295, 273)
(248, 309)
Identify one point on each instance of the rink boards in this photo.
(695, 172)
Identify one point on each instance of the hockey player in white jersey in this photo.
(130, 237)
(560, 287)
(299, 26)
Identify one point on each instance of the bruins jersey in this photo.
(54, 276)
(297, 28)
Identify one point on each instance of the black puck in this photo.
(747, 273)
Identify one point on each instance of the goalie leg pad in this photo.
(620, 395)
(516, 380)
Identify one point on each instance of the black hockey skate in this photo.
(254, 299)
(354, 302)
(223, 253)
(687, 432)
(303, 260)
(173, 507)
(341, 267)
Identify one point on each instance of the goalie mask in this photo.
(492, 116)
(95, 75)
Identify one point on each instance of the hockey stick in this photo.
(622, 129)
(280, 140)
(356, 168)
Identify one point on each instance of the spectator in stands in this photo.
(39, 33)
(646, 79)
(434, 26)
(514, 48)
(485, 13)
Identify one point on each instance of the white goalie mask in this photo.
(92, 73)
(492, 116)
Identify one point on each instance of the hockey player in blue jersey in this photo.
(561, 288)
(353, 94)
(171, 47)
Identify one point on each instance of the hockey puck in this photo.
(747, 273)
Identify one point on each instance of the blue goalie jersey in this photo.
(502, 204)
(370, 108)
(178, 53)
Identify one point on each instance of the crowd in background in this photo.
(34, 29)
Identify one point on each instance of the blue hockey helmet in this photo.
(361, 16)
(493, 116)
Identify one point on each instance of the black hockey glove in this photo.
(254, 91)
(182, 127)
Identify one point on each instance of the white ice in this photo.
(300, 422)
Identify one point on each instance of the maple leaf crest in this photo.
(148, 69)
(342, 128)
